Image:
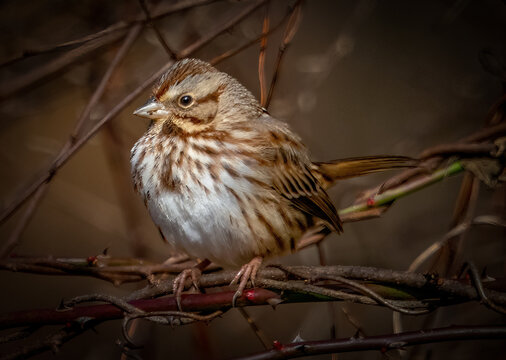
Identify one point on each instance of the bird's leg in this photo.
(194, 274)
(247, 272)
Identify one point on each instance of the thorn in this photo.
(62, 306)
(274, 302)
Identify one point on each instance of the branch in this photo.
(404, 290)
(382, 343)
(389, 196)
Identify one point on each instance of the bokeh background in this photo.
(360, 78)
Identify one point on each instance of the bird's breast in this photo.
(213, 199)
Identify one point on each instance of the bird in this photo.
(225, 181)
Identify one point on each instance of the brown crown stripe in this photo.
(271, 230)
(178, 73)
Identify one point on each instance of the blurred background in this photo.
(359, 78)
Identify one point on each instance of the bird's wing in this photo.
(292, 176)
(295, 182)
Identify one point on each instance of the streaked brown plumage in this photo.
(225, 181)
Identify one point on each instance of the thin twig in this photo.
(354, 322)
(261, 57)
(229, 53)
(256, 330)
(459, 149)
(290, 31)
(42, 72)
(157, 31)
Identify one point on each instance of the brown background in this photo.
(361, 78)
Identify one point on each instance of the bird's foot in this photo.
(247, 272)
(194, 273)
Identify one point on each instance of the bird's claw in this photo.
(179, 283)
(247, 272)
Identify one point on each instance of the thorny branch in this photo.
(383, 343)
(401, 291)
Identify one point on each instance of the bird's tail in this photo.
(358, 166)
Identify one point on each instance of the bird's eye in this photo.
(185, 101)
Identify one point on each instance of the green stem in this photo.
(390, 195)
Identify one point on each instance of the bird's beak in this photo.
(153, 109)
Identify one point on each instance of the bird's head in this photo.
(193, 95)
